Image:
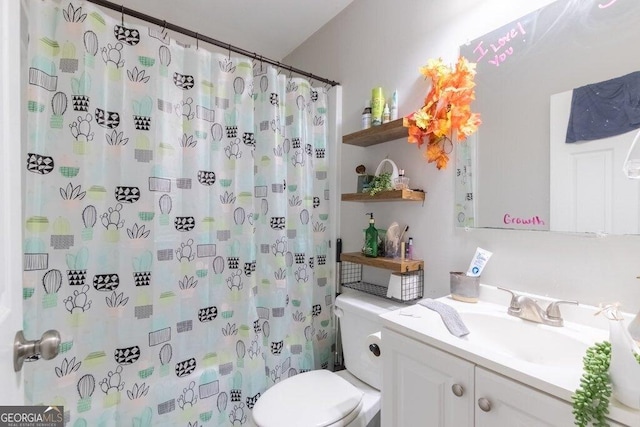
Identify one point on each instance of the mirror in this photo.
(520, 67)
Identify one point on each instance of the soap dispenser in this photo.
(370, 248)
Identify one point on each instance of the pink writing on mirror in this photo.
(604, 6)
(534, 220)
(500, 50)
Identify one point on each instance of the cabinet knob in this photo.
(484, 404)
(457, 389)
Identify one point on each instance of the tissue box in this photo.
(394, 289)
(464, 288)
(406, 286)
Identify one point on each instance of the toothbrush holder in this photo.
(464, 288)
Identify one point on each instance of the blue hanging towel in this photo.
(605, 109)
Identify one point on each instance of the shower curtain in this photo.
(175, 228)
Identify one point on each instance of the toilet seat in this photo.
(312, 399)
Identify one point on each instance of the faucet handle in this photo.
(553, 311)
(514, 298)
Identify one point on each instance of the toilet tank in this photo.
(358, 313)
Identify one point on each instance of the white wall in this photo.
(383, 43)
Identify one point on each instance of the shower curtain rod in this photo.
(178, 29)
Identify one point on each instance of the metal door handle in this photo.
(47, 347)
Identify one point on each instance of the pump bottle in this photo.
(370, 248)
(409, 254)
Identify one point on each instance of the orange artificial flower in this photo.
(446, 109)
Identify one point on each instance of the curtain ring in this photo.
(122, 14)
(197, 41)
(164, 25)
(311, 80)
(229, 53)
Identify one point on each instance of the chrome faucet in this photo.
(527, 308)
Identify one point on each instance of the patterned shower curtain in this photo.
(175, 230)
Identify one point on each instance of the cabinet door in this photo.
(514, 404)
(418, 385)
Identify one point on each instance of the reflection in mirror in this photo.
(631, 165)
(589, 190)
(523, 69)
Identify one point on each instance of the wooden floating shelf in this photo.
(377, 134)
(392, 264)
(385, 196)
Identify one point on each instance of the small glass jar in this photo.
(401, 182)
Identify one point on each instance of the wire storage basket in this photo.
(411, 284)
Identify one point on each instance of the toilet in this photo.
(350, 397)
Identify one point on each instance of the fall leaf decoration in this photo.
(447, 109)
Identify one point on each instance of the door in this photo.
(11, 46)
(423, 386)
(508, 403)
(589, 192)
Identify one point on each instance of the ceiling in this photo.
(272, 28)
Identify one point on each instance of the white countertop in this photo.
(561, 380)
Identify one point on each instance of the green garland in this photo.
(591, 399)
(380, 183)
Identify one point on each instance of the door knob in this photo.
(47, 347)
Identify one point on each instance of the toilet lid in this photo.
(315, 398)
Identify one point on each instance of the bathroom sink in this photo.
(524, 340)
(543, 357)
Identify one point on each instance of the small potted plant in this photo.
(380, 182)
(383, 180)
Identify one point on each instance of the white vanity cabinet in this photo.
(421, 384)
(424, 386)
(506, 372)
